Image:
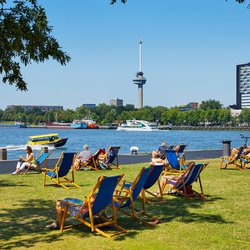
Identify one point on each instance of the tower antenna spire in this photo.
(140, 55)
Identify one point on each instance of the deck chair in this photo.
(174, 165)
(245, 160)
(110, 158)
(153, 177)
(234, 161)
(61, 170)
(180, 150)
(183, 183)
(41, 161)
(125, 199)
(103, 198)
(92, 163)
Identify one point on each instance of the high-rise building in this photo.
(243, 86)
(116, 102)
(89, 105)
(26, 108)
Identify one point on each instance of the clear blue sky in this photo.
(190, 52)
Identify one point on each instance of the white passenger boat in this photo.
(137, 125)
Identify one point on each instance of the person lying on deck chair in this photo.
(85, 155)
(165, 178)
(73, 210)
(30, 160)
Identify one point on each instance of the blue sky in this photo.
(190, 52)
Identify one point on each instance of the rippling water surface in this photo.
(15, 139)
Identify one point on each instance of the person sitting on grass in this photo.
(85, 155)
(30, 160)
(73, 210)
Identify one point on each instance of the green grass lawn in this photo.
(220, 222)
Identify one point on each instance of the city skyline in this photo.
(187, 55)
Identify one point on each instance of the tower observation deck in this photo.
(140, 80)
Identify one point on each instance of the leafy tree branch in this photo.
(25, 37)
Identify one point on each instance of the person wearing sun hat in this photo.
(30, 160)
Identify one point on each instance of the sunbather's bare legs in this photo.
(164, 180)
(59, 213)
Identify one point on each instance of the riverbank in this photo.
(217, 128)
(9, 166)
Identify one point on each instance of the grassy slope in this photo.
(220, 222)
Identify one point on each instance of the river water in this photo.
(15, 139)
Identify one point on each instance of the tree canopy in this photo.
(213, 115)
(25, 36)
(210, 104)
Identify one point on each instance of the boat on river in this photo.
(47, 139)
(137, 125)
(79, 124)
(58, 125)
(13, 125)
(90, 123)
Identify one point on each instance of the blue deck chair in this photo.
(183, 183)
(86, 210)
(111, 158)
(62, 168)
(180, 150)
(126, 196)
(153, 177)
(174, 165)
(41, 161)
(234, 161)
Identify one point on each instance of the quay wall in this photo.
(8, 166)
(245, 128)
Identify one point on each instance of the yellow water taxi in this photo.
(47, 139)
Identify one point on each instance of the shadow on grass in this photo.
(178, 209)
(7, 183)
(24, 226)
(26, 221)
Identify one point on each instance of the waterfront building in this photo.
(116, 102)
(189, 106)
(235, 112)
(89, 105)
(26, 108)
(243, 85)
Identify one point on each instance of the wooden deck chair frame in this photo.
(63, 179)
(91, 163)
(170, 169)
(149, 183)
(182, 157)
(158, 196)
(184, 192)
(123, 194)
(229, 161)
(105, 159)
(112, 221)
(39, 166)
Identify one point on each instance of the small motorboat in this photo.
(47, 139)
